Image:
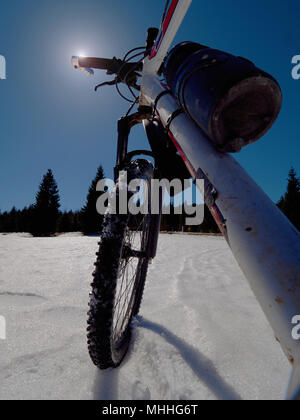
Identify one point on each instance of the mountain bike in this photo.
(198, 106)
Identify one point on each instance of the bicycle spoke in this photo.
(131, 255)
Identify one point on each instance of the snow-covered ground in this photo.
(201, 334)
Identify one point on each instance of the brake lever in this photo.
(111, 83)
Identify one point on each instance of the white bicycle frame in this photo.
(262, 240)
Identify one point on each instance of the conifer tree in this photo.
(46, 209)
(90, 219)
(289, 204)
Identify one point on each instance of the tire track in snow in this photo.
(203, 288)
(180, 290)
(11, 299)
(199, 365)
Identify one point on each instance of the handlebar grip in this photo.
(95, 63)
(121, 68)
(111, 65)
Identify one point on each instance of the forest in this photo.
(44, 217)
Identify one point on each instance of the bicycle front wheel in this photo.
(119, 276)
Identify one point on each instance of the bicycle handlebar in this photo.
(113, 66)
(124, 70)
(96, 63)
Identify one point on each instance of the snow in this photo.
(200, 334)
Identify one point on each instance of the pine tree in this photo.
(26, 219)
(46, 209)
(3, 222)
(289, 204)
(67, 222)
(12, 220)
(76, 222)
(90, 219)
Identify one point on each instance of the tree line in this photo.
(44, 218)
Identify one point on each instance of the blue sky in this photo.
(51, 118)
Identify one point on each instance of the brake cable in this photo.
(124, 78)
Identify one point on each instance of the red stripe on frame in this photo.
(165, 26)
(215, 214)
(169, 16)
